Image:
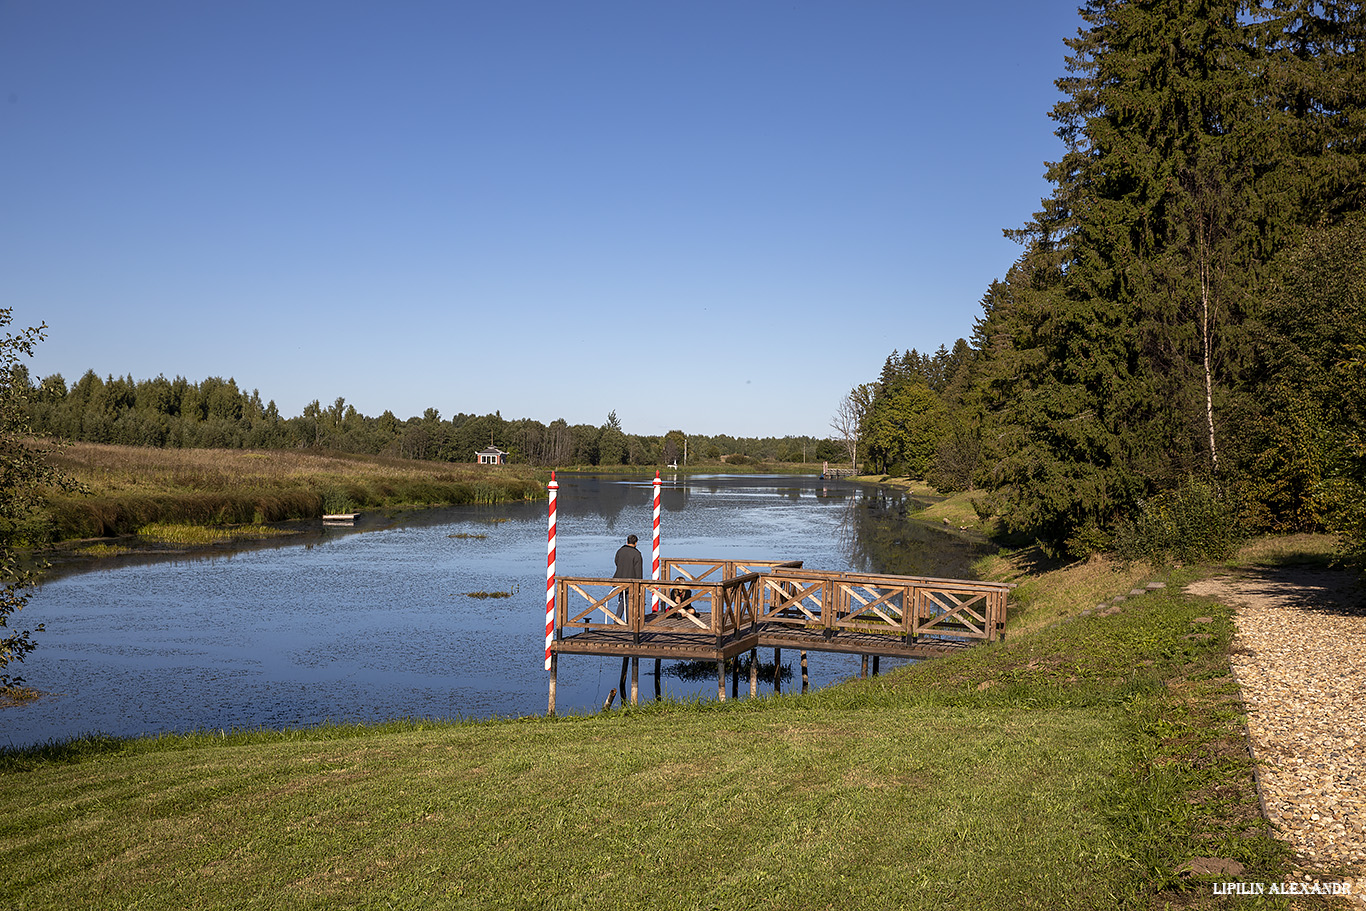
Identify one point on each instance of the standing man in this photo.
(630, 565)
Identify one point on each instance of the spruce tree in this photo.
(1131, 294)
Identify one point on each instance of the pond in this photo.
(382, 621)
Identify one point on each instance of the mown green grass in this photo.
(1073, 766)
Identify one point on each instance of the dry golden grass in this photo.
(128, 487)
(1040, 600)
(112, 469)
(1299, 548)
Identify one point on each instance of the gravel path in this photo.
(1300, 659)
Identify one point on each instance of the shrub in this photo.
(1190, 524)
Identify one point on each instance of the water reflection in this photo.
(377, 622)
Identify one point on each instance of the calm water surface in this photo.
(370, 625)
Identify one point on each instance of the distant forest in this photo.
(1178, 356)
(215, 413)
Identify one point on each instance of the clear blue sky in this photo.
(711, 216)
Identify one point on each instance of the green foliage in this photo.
(24, 472)
(338, 501)
(1191, 524)
(1120, 355)
(1311, 444)
(612, 448)
(901, 432)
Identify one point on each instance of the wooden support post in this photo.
(806, 681)
(753, 672)
(635, 681)
(554, 666)
(777, 670)
(720, 680)
(659, 687)
(863, 671)
(621, 684)
(735, 678)
(877, 659)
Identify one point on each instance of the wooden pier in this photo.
(715, 610)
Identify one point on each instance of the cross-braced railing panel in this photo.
(792, 601)
(588, 596)
(737, 599)
(736, 604)
(871, 607)
(691, 605)
(694, 570)
(965, 613)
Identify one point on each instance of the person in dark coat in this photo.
(630, 565)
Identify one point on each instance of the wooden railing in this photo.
(720, 607)
(898, 605)
(725, 598)
(699, 570)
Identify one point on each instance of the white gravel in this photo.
(1300, 659)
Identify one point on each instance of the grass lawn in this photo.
(1078, 764)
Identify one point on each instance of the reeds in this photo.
(169, 533)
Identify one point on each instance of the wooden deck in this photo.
(714, 610)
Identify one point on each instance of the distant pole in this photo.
(550, 573)
(654, 569)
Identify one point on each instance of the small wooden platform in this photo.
(715, 610)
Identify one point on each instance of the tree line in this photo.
(1180, 349)
(216, 413)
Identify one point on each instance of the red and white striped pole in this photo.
(553, 487)
(654, 571)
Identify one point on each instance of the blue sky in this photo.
(710, 216)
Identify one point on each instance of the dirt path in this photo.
(1300, 659)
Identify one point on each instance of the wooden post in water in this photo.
(720, 680)
(805, 680)
(659, 690)
(621, 684)
(753, 672)
(876, 660)
(777, 670)
(735, 678)
(635, 681)
(863, 671)
(554, 666)
(611, 697)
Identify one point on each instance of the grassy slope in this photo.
(1075, 765)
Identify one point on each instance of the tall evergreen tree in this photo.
(1127, 319)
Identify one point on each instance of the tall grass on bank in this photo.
(131, 487)
(1073, 766)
